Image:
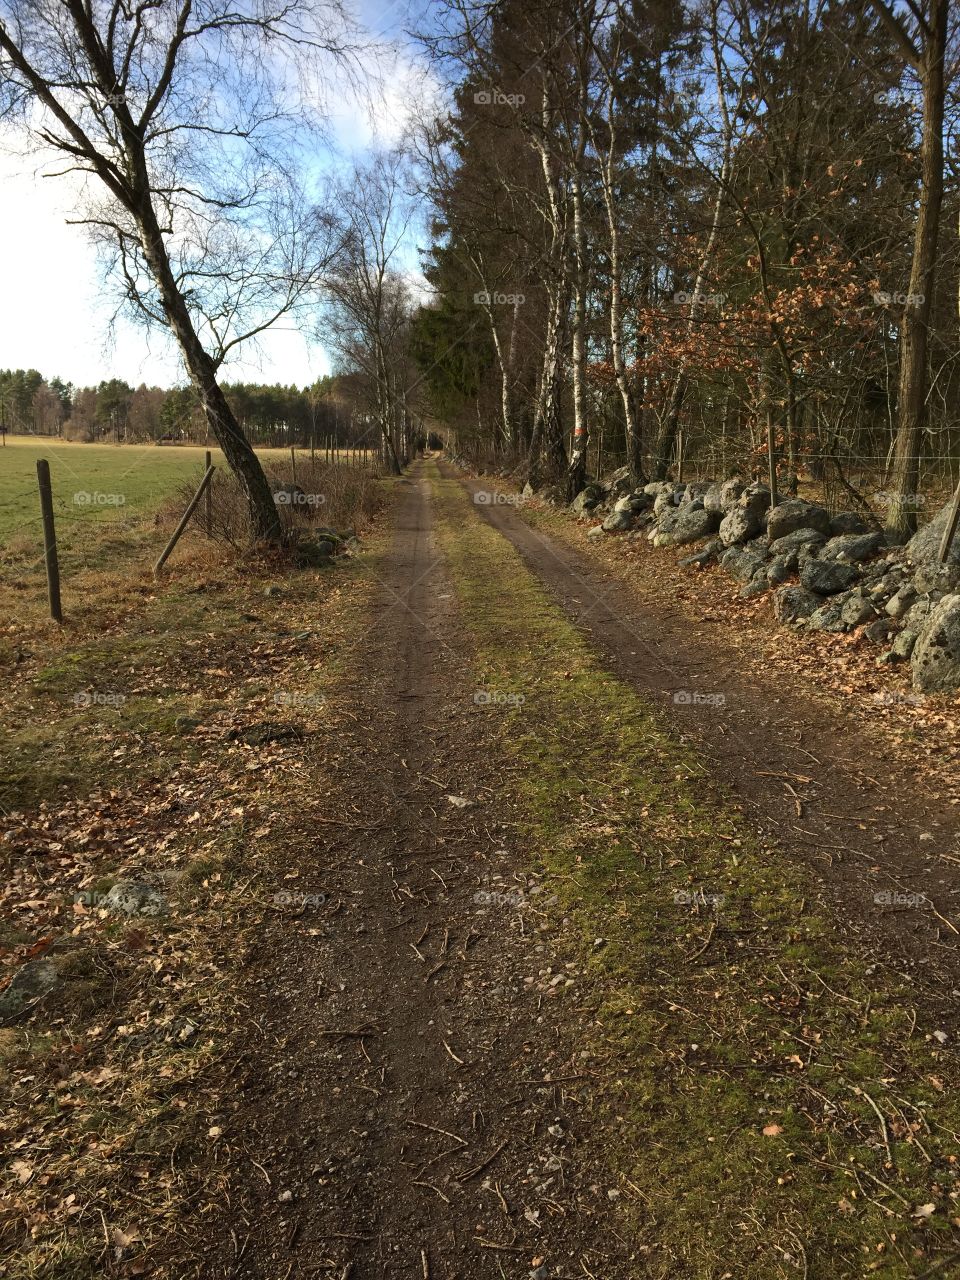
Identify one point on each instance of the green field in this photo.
(94, 481)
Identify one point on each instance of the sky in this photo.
(54, 311)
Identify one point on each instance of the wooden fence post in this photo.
(950, 529)
(49, 539)
(191, 507)
(293, 462)
(208, 463)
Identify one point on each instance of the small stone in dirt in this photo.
(272, 591)
(285, 1197)
(135, 898)
(459, 802)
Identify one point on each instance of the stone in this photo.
(757, 585)
(618, 522)
(272, 592)
(829, 617)
(854, 547)
(694, 492)
(879, 632)
(857, 610)
(937, 577)
(900, 603)
(667, 499)
(135, 898)
(797, 513)
(779, 570)
(847, 522)
(739, 526)
(596, 531)
(688, 523)
(712, 499)
(920, 611)
(656, 487)
(793, 542)
(828, 577)
(703, 557)
(617, 483)
(924, 546)
(903, 645)
(528, 491)
(31, 982)
(586, 499)
(730, 492)
(742, 562)
(936, 655)
(791, 604)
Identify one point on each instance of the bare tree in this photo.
(184, 120)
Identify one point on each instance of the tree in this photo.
(183, 115)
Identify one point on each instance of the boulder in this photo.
(779, 570)
(688, 523)
(712, 499)
(847, 522)
(901, 602)
(828, 577)
(742, 562)
(854, 547)
(797, 513)
(696, 489)
(757, 585)
(730, 492)
(135, 898)
(903, 645)
(880, 631)
(857, 609)
(31, 982)
(791, 543)
(667, 499)
(656, 487)
(937, 577)
(618, 522)
(936, 655)
(587, 499)
(829, 617)
(616, 483)
(596, 532)
(924, 546)
(703, 557)
(791, 604)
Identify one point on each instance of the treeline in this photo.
(701, 236)
(331, 409)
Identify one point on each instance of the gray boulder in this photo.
(696, 489)
(829, 617)
(924, 546)
(880, 631)
(796, 513)
(857, 609)
(936, 655)
(903, 645)
(828, 577)
(855, 547)
(667, 499)
(703, 557)
(587, 499)
(791, 604)
(937, 577)
(616, 483)
(792, 543)
(688, 523)
(779, 570)
(848, 522)
(730, 492)
(135, 898)
(742, 562)
(31, 982)
(656, 487)
(901, 602)
(618, 522)
(712, 499)
(757, 585)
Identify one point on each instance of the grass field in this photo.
(94, 481)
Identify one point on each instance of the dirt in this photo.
(406, 1104)
(861, 815)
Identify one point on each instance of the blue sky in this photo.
(54, 316)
